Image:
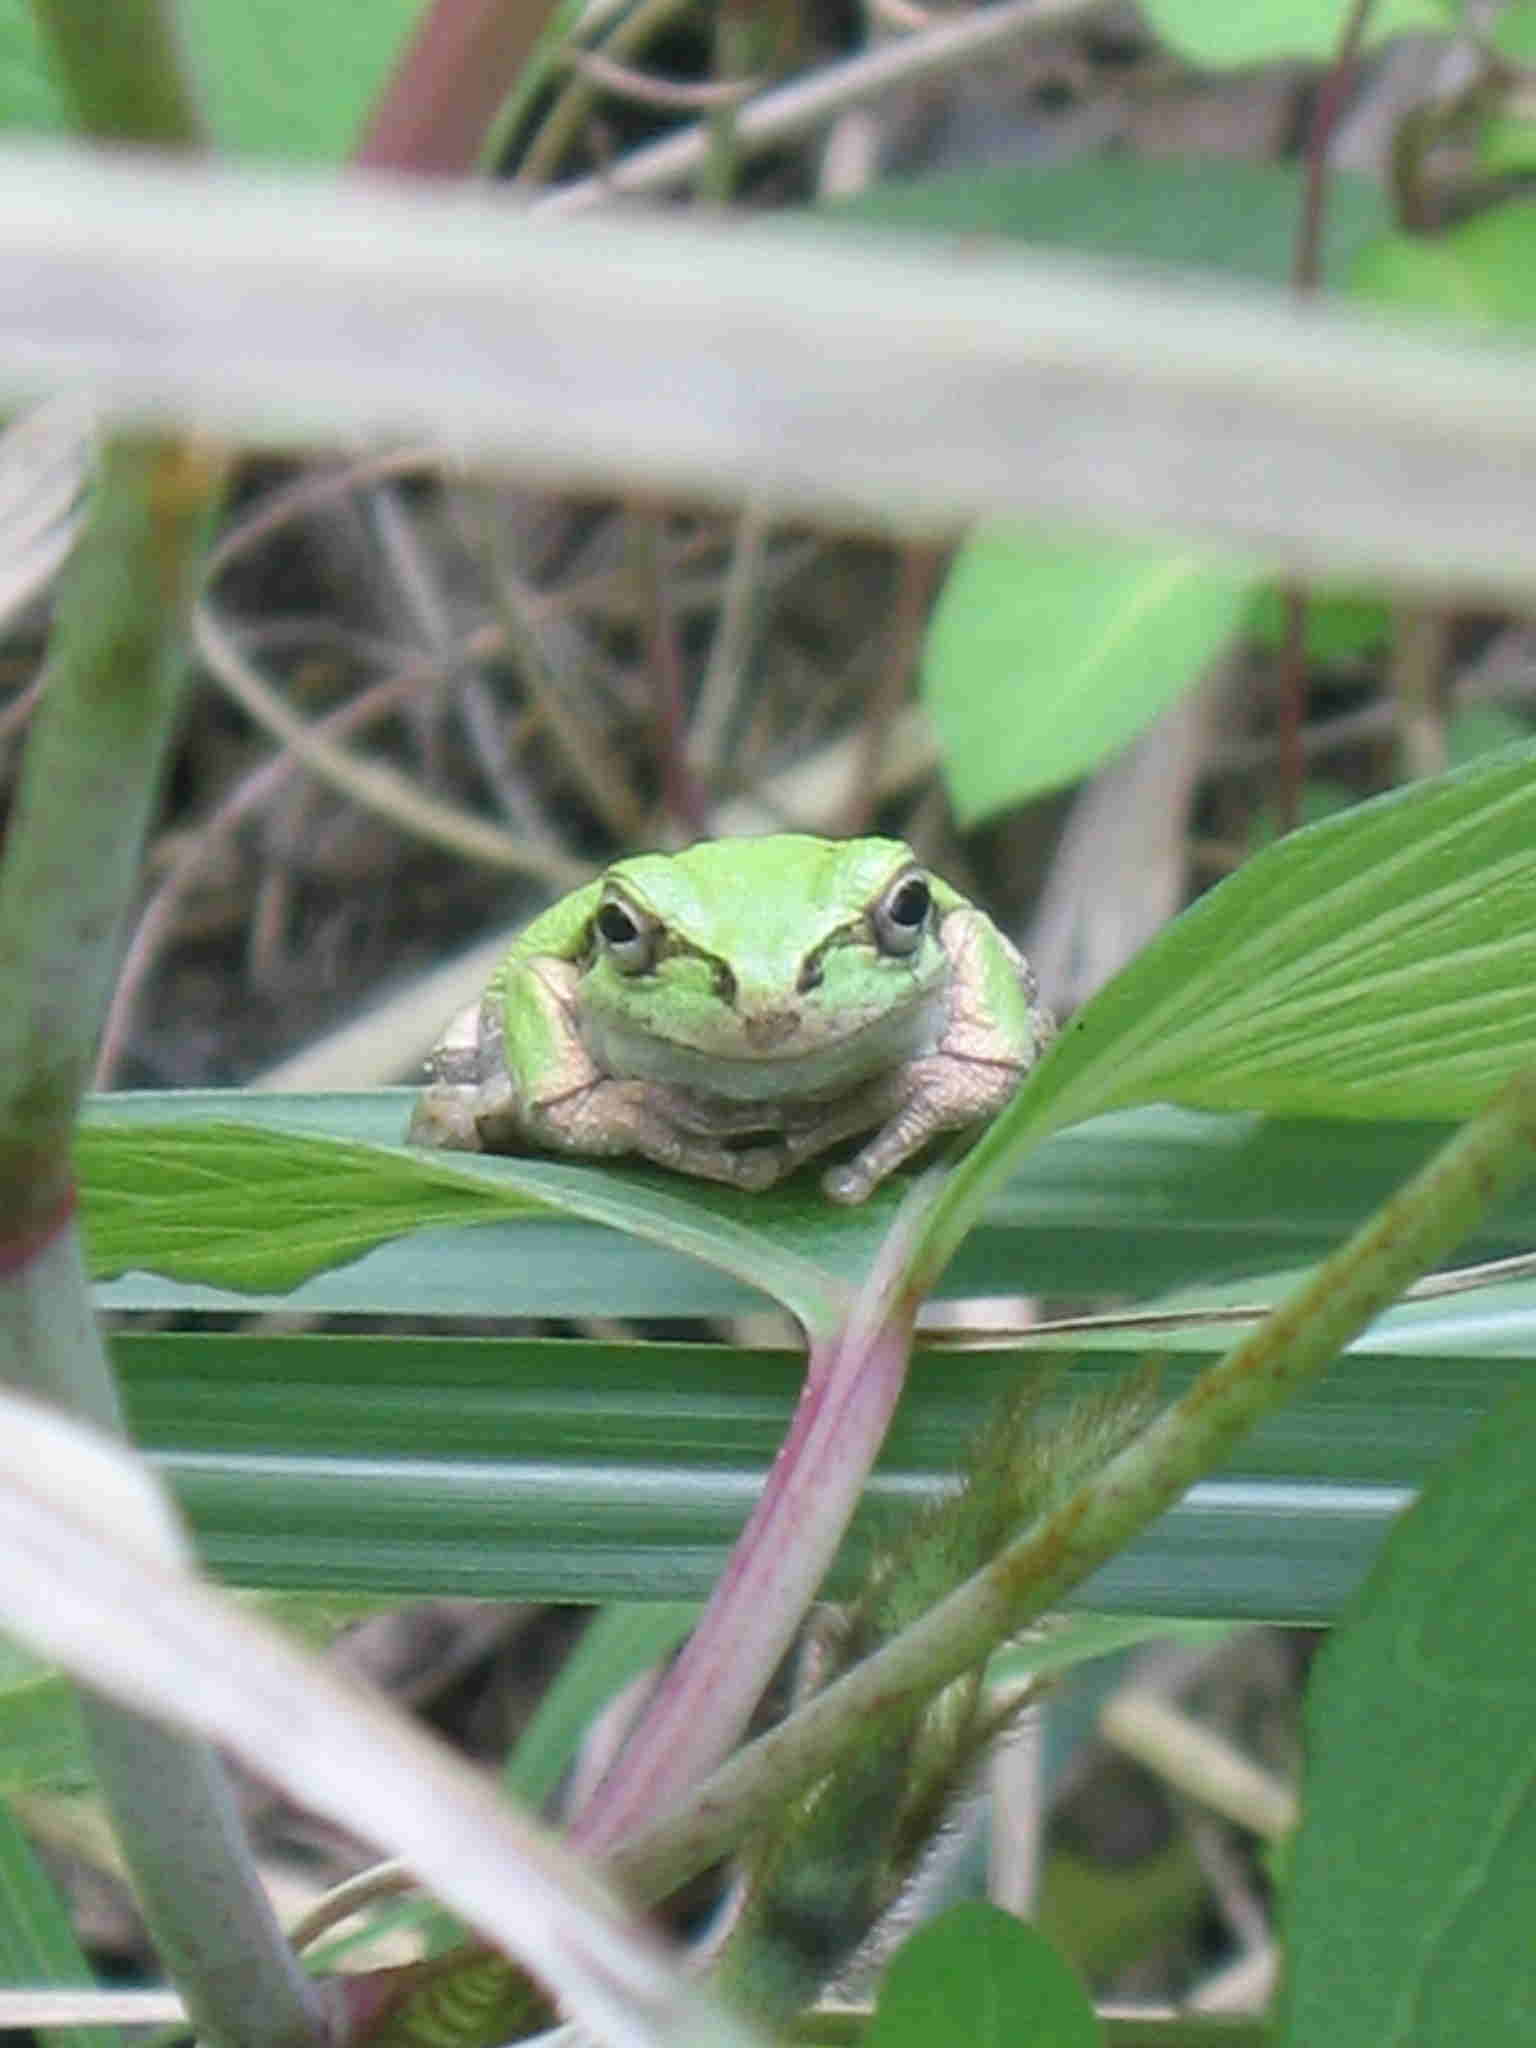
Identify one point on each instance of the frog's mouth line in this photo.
(744, 1074)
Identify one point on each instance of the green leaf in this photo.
(976, 1974)
(1151, 1199)
(180, 1199)
(620, 1643)
(37, 1942)
(1482, 274)
(42, 1741)
(1241, 222)
(30, 98)
(279, 79)
(1379, 963)
(288, 80)
(1044, 655)
(1260, 30)
(558, 1469)
(1512, 32)
(257, 1209)
(1411, 1901)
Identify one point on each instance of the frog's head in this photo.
(763, 968)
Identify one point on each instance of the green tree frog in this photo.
(741, 1007)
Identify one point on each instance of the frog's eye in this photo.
(901, 916)
(629, 942)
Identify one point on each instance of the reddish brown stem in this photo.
(451, 79)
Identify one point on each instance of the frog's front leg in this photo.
(610, 1118)
(517, 1075)
(993, 1034)
(445, 1113)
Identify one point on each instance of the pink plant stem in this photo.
(853, 1384)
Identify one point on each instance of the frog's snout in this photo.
(771, 1029)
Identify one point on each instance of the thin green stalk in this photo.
(562, 123)
(71, 862)
(123, 69)
(88, 781)
(1420, 1223)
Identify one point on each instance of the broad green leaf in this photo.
(183, 1198)
(287, 80)
(1240, 221)
(1512, 31)
(1411, 1898)
(1379, 963)
(1045, 655)
(1260, 30)
(1482, 274)
(258, 1209)
(978, 1975)
(37, 1941)
(1146, 1200)
(277, 78)
(620, 1643)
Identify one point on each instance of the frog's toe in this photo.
(444, 1117)
(849, 1183)
(758, 1168)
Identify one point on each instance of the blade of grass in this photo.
(37, 1942)
(670, 355)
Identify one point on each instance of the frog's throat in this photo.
(736, 1072)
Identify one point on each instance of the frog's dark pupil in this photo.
(909, 906)
(616, 925)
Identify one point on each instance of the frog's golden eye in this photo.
(900, 918)
(628, 939)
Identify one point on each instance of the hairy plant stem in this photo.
(1293, 1344)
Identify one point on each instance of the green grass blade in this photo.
(37, 1943)
(620, 1643)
